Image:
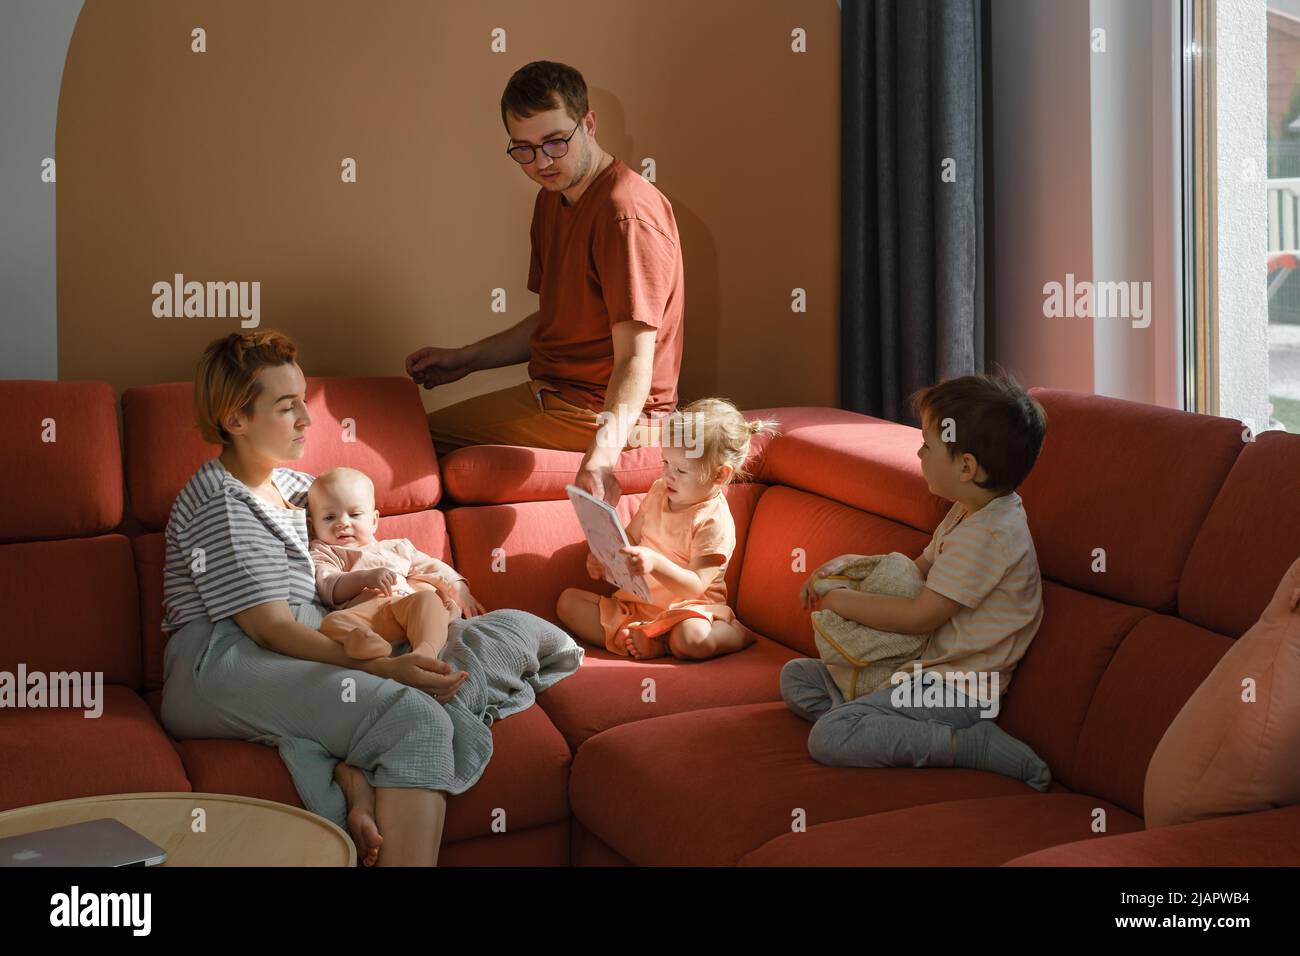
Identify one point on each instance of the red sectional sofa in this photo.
(1197, 527)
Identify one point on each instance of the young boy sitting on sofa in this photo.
(982, 601)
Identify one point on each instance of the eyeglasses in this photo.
(554, 148)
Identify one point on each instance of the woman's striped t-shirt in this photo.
(228, 550)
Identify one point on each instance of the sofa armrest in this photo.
(1267, 838)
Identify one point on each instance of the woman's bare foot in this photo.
(363, 645)
(361, 812)
(642, 646)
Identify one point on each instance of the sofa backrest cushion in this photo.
(376, 425)
(1131, 479)
(1054, 683)
(792, 534)
(73, 605)
(65, 471)
(867, 463)
(505, 474)
(150, 552)
(524, 555)
(1249, 538)
(1156, 668)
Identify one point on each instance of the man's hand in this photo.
(596, 477)
(432, 366)
(594, 568)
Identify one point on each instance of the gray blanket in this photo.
(220, 683)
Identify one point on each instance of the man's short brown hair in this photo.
(532, 90)
(992, 419)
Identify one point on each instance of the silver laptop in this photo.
(103, 842)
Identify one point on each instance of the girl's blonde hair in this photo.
(722, 432)
(226, 379)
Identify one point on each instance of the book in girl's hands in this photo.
(606, 537)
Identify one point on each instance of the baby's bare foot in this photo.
(621, 642)
(361, 812)
(641, 646)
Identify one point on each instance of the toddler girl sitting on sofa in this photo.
(681, 540)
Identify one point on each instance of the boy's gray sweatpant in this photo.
(871, 731)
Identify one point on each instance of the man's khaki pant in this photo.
(530, 414)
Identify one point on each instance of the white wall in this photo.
(34, 37)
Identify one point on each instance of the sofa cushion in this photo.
(547, 845)
(1252, 839)
(791, 535)
(524, 555)
(1247, 541)
(587, 849)
(239, 767)
(1132, 479)
(150, 554)
(705, 787)
(1228, 752)
(609, 690)
(376, 425)
(70, 478)
(854, 459)
(526, 779)
(1054, 682)
(982, 832)
(526, 784)
(1156, 668)
(427, 530)
(58, 754)
(73, 606)
(505, 474)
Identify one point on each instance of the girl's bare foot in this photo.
(361, 812)
(643, 647)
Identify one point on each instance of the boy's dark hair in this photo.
(532, 90)
(993, 419)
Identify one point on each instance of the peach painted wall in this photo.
(225, 166)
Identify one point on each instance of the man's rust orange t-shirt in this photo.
(613, 256)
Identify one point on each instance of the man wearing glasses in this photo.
(607, 267)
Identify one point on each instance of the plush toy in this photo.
(861, 659)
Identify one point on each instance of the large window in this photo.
(1283, 199)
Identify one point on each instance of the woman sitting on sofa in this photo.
(374, 744)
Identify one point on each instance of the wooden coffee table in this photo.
(240, 831)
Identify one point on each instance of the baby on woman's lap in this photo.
(384, 592)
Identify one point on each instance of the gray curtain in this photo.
(912, 288)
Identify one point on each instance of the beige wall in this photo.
(225, 166)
